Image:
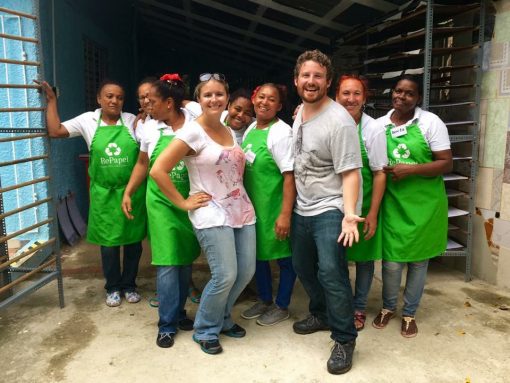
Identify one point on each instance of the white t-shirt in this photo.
(279, 144)
(85, 125)
(149, 132)
(194, 108)
(216, 170)
(139, 127)
(433, 129)
(374, 138)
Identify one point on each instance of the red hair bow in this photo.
(171, 77)
(255, 91)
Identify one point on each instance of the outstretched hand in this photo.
(350, 233)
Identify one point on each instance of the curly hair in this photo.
(317, 56)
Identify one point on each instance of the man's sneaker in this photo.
(209, 346)
(132, 296)
(409, 328)
(309, 325)
(273, 315)
(340, 360)
(185, 324)
(256, 310)
(113, 299)
(165, 339)
(382, 319)
(235, 331)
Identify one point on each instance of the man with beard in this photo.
(327, 162)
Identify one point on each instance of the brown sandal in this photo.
(359, 320)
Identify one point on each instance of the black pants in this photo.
(115, 279)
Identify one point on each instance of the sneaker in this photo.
(132, 296)
(235, 331)
(340, 360)
(359, 320)
(409, 328)
(113, 299)
(194, 294)
(309, 325)
(165, 339)
(185, 324)
(382, 319)
(256, 310)
(273, 315)
(209, 346)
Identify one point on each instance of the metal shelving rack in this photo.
(444, 44)
(22, 131)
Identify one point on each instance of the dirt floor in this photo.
(463, 337)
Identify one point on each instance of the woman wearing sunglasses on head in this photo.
(352, 95)
(173, 243)
(415, 206)
(269, 180)
(110, 137)
(219, 209)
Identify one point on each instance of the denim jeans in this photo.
(364, 276)
(415, 283)
(231, 254)
(265, 285)
(321, 265)
(172, 287)
(110, 259)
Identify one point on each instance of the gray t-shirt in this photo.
(324, 147)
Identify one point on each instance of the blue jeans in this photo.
(285, 287)
(321, 265)
(415, 283)
(231, 254)
(364, 276)
(172, 287)
(110, 260)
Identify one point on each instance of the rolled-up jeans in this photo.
(321, 265)
(415, 283)
(231, 254)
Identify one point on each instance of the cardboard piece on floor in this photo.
(65, 224)
(74, 214)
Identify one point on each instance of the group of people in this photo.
(226, 176)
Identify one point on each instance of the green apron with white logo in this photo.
(264, 184)
(415, 209)
(173, 242)
(372, 249)
(113, 154)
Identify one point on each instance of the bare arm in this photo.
(55, 128)
(351, 183)
(442, 163)
(167, 160)
(379, 185)
(282, 224)
(138, 174)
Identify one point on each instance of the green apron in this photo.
(372, 249)
(113, 154)
(173, 241)
(415, 209)
(264, 184)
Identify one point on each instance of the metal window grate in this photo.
(96, 67)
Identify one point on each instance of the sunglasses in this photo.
(209, 76)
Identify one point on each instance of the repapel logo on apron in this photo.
(401, 151)
(112, 149)
(113, 152)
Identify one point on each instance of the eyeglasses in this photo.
(215, 76)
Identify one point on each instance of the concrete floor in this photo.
(463, 337)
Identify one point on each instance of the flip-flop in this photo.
(154, 302)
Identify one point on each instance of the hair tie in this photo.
(170, 77)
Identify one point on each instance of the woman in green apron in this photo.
(239, 114)
(173, 243)
(109, 135)
(142, 95)
(269, 181)
(415, 206)
(352, 95)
